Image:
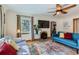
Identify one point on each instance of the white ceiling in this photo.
(34, 8)
(30, 8)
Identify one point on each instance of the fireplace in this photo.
(43, 35)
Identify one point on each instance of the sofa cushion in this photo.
(61, 35)
(60, 32)
(10, 41)
(68, 36)
(56, 35)
(13, 44)
(75, 36)
(7, 49)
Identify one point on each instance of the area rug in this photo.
(50, 48)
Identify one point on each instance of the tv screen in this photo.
(43, 24)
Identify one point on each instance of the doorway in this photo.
(76, 25)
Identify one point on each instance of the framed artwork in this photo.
(66, 25)
(25, 25)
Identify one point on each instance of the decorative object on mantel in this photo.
(36, 28)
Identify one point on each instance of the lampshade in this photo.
(18, 31)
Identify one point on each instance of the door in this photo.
(76, 25)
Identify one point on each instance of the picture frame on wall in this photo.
(66, 25)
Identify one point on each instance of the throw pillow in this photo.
(68, 36)
(13, 44)
(7, 49)
(61, 35)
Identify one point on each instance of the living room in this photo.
(35, 23)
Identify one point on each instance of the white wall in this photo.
(61, 18)
(11, 23)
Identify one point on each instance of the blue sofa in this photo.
(74, 43)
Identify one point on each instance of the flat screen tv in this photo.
(43, 24)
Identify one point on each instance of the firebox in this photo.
(43, 35)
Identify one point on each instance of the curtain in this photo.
(0, 23)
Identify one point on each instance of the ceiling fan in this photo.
(62, 8)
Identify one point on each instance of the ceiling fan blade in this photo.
(69, 7)
(55, 14)
(64, 12)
